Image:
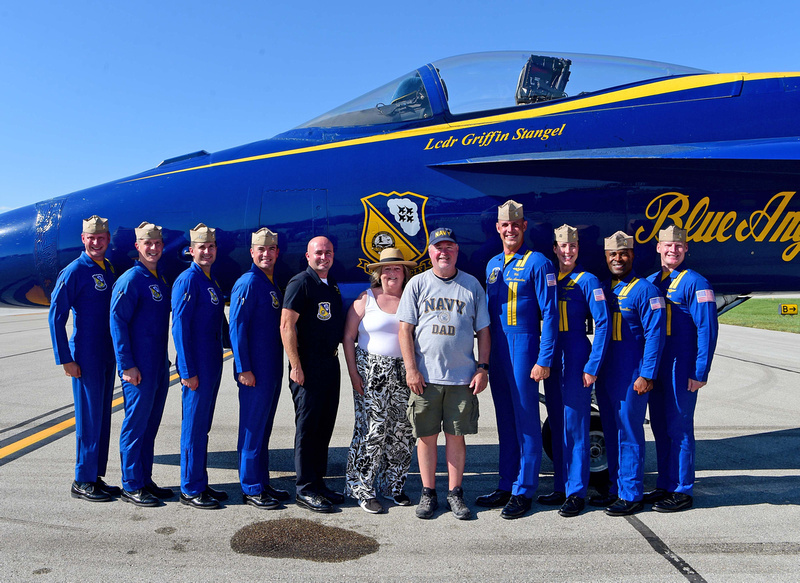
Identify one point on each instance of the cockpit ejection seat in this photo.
(542, 79)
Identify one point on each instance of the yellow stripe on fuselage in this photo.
(613, 98)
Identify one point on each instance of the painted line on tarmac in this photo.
(662, 549)
(17, 446)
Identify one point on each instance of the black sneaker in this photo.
(428, 503)
(455, 502)
(401, 499)
(371, 505)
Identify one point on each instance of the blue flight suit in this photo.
(692, 331)
(518, 292)
(638, 328)
(140, 309)
(84, 287)
(256, 342)
(580, 296)
(197, 311)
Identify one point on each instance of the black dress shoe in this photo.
(552, 499)
(674, 503)
(263, 500)
(202, 501)
(603, 500)
(516, 507)
(140, 497)
(280, 495)
(314, 502)
(332, 497)
(160, 493)
(654, 496)
(573, 506)
(218, 494)
(107, 488)
(88, 491)
(497, 499)
(624, 508)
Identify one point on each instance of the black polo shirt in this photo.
(321, 323)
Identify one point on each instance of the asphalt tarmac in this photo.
(745, 525)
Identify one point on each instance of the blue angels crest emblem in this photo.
(395, 220)
(213, 294)
(156, 292)
(324, 311)
(99, 282)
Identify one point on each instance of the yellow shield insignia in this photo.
(395, 220)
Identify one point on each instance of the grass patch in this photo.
(763, 313)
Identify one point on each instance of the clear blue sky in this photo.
(93, 91)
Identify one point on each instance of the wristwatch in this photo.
(484, 366)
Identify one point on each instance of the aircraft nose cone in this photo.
(20, 284)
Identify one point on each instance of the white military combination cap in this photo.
(203, 234)
(264, 237)
(566, 234)
(618, 241)
(148, 231)
(510, 210)
(672, 234)
(95, 225)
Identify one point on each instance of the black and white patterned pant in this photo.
(380, 453)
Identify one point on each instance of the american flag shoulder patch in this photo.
(657, 303)
(705, 295)
(599, 296)
(551, 279)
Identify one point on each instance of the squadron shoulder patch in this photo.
(99, 283)
(156, 292)
(324, 311)
(213, 295)
(494, 275)
(275, 302)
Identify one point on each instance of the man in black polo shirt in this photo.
(312, 324)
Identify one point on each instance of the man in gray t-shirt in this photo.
(439, 312)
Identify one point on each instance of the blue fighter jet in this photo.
(601, 143)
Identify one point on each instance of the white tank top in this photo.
(378, 332)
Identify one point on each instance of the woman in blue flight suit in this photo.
(140, 307)
(575, 366)
(637, 340)
(255, 314)
(197, 312)
(84, 288)
(692, 331)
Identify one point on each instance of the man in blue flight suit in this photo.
(521, 288)
(312, 325)
(197, 312)
(575, 367)
(692, 330)
(84, 288)
(626, 377)
(140, 330)
(258, 369)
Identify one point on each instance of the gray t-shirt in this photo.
(446, 315)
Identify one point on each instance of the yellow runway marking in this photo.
(66, 424)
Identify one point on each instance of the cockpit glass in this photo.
(486, 81)
(404, 99)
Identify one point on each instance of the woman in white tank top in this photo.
(381, 450)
